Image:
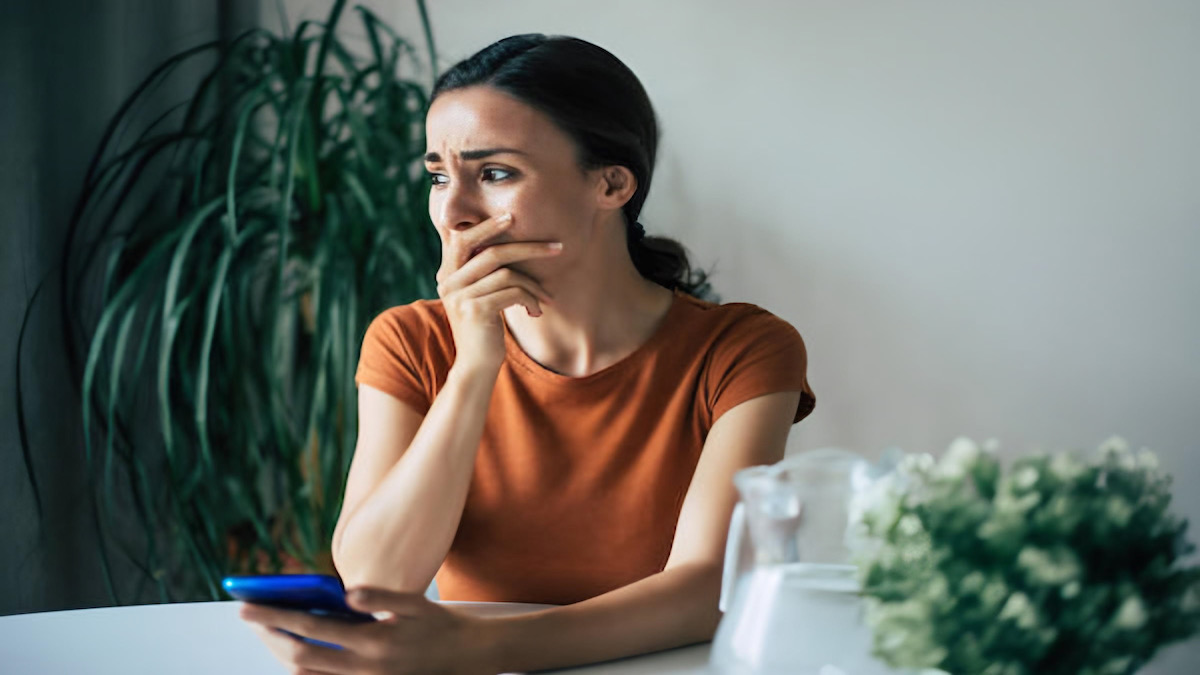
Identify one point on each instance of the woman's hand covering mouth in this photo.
(483, 247)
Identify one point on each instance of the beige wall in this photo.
(984, 218)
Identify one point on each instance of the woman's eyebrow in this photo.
(469, 155)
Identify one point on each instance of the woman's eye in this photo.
(489, 174)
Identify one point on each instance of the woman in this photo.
(563, 424)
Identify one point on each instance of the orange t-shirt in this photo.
(579, 482)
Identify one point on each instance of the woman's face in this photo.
(490, 154)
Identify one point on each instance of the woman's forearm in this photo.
(398, 537)
(673, 608)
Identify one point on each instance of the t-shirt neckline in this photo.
(517, 355)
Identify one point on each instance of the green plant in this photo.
(237, 249)
(1056, 565)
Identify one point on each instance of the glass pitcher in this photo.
(790, 592)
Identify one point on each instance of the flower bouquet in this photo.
(1054, 564)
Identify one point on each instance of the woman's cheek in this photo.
(505, 201)
(524, 211)
(435, 208)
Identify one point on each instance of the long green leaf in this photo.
(239, 137)
(120, 349)
(210, 324)
(22, 428)
(170, 316)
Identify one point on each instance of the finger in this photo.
(492, 224)
(288, 649)
(494, 258)
(462, 242)
(378, 600)
(304, 624)
(506, 278)
(509, 297)
(278, 642)
(480, 234)
(315, 658)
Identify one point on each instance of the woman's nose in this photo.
(457, 208)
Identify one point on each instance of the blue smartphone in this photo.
(319, 594)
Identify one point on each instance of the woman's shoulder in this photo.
(420, 313)
(406, 351)
(731, 319)
(748, 351)
(421, 324)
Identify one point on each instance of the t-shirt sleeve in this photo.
(760, 354)
(387, 360)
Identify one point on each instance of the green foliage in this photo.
(1055, 565)
(239, 246)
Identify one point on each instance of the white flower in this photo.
(1116, 451)
(916, 464)
(1131, 615)
(1025, 477)
(958, 460)
(909, 525)
(1065, 468)
(1019, 609)
(904, 630)
(1191, 599)
(1071, 590)
(1051, 568)
(995, 591)
(915, 551)
(1060, 507)
(1117, 666)
(1006, 504)
(937, 589)
(1147, 460)
(1114, 445)
(879, 501)
(973, 582)
(1119, 511)
(1127, 462)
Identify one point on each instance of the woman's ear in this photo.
(615, 187)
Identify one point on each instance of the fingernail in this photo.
(504, 219)
(555, 246)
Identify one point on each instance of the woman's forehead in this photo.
(482, 117)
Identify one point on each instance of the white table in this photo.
(208, 637)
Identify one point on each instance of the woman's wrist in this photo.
(474, 373)
(490, 638)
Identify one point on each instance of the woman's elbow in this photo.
(385, 574)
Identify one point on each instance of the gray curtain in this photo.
(65, 67)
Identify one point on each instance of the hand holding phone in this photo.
(318, 594)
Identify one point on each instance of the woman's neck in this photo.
(602, 312)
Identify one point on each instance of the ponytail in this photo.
(665, 262)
